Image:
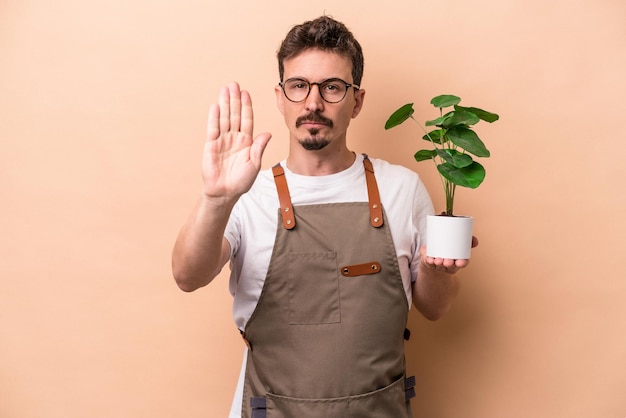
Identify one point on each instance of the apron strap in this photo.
(407, 334)
(376, 208)
(409, 388)
(373, 195)
(258, 406)
(286, 208)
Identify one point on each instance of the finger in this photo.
(448, 269)
(450, 266)
(258, 146)
(461, 263)
(247, 115)
(235, 107)
(224, 109)
(448, 262)
(213, 125)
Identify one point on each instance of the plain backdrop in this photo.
(103, 109)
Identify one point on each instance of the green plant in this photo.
(454, 141)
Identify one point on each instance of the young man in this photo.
(326, 248)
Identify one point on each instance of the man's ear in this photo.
(359, 97)
(280, 97)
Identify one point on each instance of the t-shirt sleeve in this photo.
(232, 233)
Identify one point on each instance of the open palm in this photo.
(232, 156)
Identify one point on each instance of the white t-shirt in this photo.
(251, 229)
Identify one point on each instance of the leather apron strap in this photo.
(376, 208)
(286, 208)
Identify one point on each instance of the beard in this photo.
(314, 142)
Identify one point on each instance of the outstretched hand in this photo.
(447, 265)
(232, 156)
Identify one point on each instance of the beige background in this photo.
(102, 115)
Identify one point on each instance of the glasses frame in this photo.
(318, 84)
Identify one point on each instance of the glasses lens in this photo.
(296, 89)
(333, 91)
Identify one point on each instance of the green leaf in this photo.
(440, 120)
(435, 122)
(399, 116)
(445, 100)
(482, 114)
(460, 118)
(425, 154)
(457, 159)
(467, 139)
(471, 176)
(434, 136)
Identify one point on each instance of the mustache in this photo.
(313, 117)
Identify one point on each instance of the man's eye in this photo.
(333, 87)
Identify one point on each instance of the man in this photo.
(325, 248)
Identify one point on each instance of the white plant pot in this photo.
(449, 236)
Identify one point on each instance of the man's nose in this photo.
(314, 100)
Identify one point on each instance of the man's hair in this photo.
(326, 34)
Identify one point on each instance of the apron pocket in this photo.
(389, 401)
(313, 288)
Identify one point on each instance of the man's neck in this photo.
(319, 163)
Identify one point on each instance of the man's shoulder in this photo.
(386, 168)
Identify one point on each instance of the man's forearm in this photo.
(200, 252)
(434, 291)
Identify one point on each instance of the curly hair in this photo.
(326, 34)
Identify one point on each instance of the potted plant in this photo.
(454, 142)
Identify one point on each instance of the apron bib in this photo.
(326, 339)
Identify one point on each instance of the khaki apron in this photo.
(326, 339)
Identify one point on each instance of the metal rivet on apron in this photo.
(376, 219)
(375, 206)
(288, 221)
(374, 267)
(346, 271)
(286, 209)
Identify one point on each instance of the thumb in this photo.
(258, 146)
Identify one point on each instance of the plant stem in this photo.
(450, 188)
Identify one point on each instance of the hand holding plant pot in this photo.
(454, 142)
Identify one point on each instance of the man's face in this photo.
(315, 123)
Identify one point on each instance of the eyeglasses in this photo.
(332, 90)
